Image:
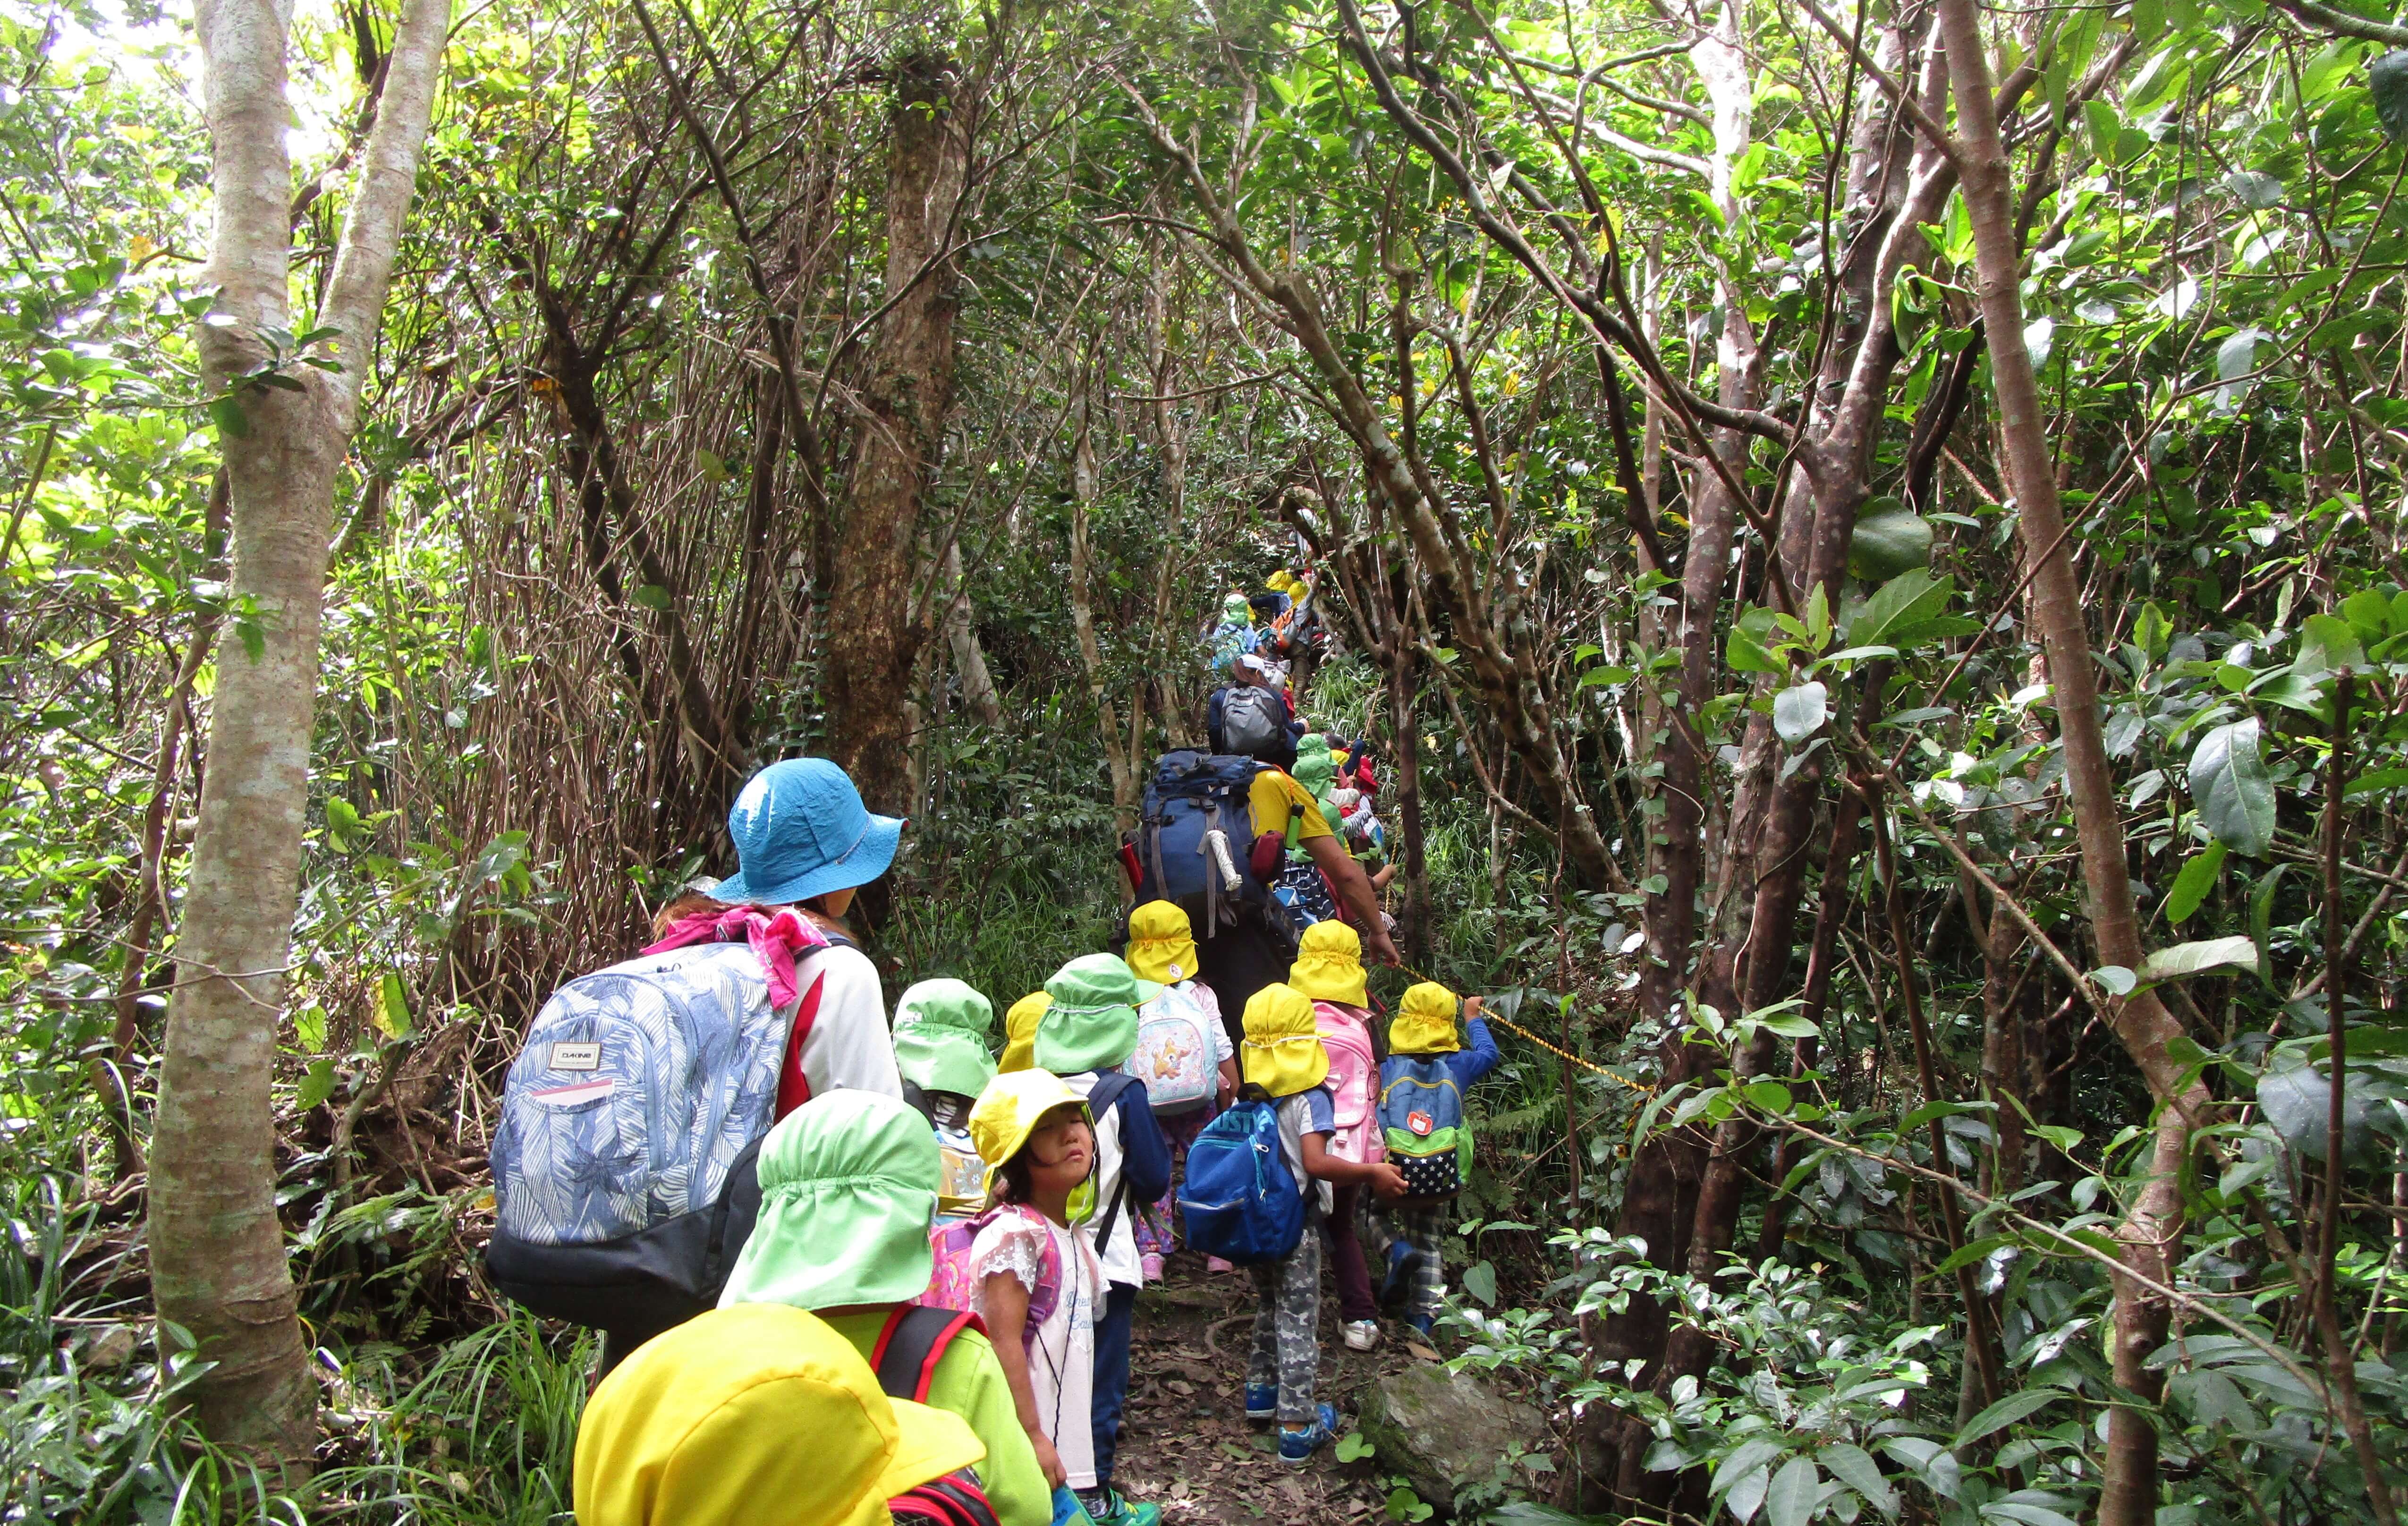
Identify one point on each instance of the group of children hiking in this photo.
(872, 1268)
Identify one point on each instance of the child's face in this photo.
(1061, 1152)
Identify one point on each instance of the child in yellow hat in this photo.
(1328, 968)
(1282, 1055)
(1426, 1059)
(701, 1426)
(1034, 1277)
(1183, 1056)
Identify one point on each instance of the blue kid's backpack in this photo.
(1239, 1199)
(1421, 1123)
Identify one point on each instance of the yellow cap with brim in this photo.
(1282, 1053)
(1010, 1110)
(699, 1426)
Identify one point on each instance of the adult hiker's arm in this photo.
(1362, 903)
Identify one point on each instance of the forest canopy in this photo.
(1866, 539)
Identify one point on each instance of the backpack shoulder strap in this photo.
(912, 1344)
(1109, 1091)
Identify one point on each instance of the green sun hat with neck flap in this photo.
(848, 1186)
(941, 1035)
(1091, 1024)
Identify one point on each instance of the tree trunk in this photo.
(873, 643)
(1083, 623)
(2152, 1227)
(961, 635)
(217, 1264)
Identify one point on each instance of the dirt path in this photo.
(1185, 1441)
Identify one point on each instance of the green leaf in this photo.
(1745, 655)
(1771, 1096)
(2229, 785)
(2116, 980)
(1798, 711)
(2191, 958)
(2006, 1412)
(1746, 1458)
(2327, 643)
(2386, 80)
(231, 420)
(651, 596)
(392, 1007)
(2198, 877)
(1480, 1281)
(309, 1027)
(1353, 1446)
(317, 1083)
(2374, 779)
(1855, 1467)
(344, 828)
(2261, 920)
(1796, 1488)
(1888, 541)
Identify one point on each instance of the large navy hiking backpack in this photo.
(1194, 845)
(623, 1164)
(1239, 1201)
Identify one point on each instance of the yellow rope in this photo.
(1560, 1054)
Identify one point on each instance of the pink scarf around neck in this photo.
(775, 940)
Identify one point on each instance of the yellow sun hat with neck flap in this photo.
(1162, 943)
(1425, 1022)
(1329, 964)
(1282, 1053)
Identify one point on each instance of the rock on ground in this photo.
(1445, 1432)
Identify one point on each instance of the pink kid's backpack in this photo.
(952, 1282)
(1354, 1083)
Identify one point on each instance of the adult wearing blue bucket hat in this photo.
(805, 843)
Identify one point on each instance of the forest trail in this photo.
(1186, 1443)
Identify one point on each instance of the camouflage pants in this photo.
(1287, 1341)
(1423, 1226)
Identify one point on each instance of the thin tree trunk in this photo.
(217, 1264)
(961, 636)
(2152, 1229)
(1082, 622)
(873, 640)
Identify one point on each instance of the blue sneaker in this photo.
(1421, 1322)
(1262, 1401)
(1401, 1257)
(1298, 1447)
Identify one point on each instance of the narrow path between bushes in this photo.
(1185, 1442)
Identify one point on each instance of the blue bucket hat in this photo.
(800, 831)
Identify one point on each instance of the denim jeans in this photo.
(1111, 1374)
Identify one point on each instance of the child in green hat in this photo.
(942, 1030)
(848, 1183)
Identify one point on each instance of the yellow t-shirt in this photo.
(1274, 797)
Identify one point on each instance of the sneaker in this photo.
(1151, 1266)
(1298, 1447)
(1362, 1335)
(1421, 1322)
(1262, 1401)
(1401, 1259)
(1109, 1507)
